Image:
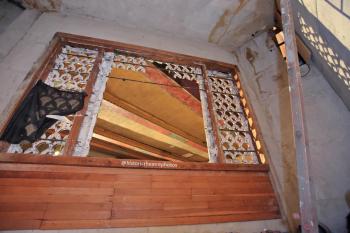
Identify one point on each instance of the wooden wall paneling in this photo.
(41, 196)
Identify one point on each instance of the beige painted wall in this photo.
(324, 27)
(328, 124)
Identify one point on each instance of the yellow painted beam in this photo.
(126, 120)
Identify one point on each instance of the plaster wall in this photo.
(324, 27)
(8, 13)
(265, 79)
(216, 21)
(32, 44)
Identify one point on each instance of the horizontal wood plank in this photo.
(109, 162)
(22, 224)
(61, 196)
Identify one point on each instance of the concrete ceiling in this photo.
(228, 23)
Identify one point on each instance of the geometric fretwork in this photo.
(241, 157)
(129, 63)
(223, 85)
(138, 63)
(236, 141)
(226, 102)
(70, 72)
(236, 133)
(231, 121)
(72, 69)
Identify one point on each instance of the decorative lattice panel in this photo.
(72, 69)
(241, 157)
(231, 120)
(226, 102)
(136, 63)
(236, 130)
(223, 85)
(70, 72)
(129, 63)
(51, 142)
(236, 141)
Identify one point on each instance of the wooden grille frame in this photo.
(61, 39)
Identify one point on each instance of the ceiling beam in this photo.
(107, 147)
(132, 126)
(155, 152)
(152, 118)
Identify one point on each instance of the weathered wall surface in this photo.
(324, 27)
(16, 30)
(216, 21)
(264, 76)
(8, 13)
(31, 45)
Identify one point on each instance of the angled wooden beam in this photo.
(111, 116)
(161, 154)
(308, 214)
(102, 146)
(152, 118)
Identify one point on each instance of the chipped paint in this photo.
(221, 27)
(43, 5)
(251, 55)
(209, 131)
(82, 147)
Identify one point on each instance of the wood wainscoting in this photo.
(39, 192)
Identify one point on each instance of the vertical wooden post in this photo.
(211, 143)
(82, 146)
(78, 119)
(216, 155)
(308, 214)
